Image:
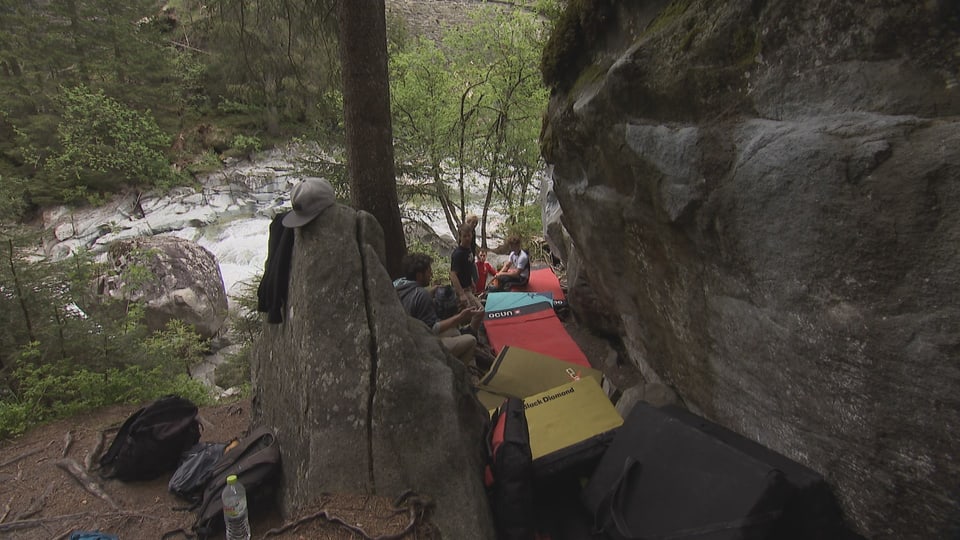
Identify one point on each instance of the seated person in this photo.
(484, 270)
(417, 300)
(516, 271)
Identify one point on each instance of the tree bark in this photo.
(18, 290)
(366, 113)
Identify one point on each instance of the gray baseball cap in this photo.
(310, 198)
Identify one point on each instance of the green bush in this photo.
(70, 350)
(245, 146)
(178, 346)
(105, 146)
(54, 391)
(527, 223)
(245, 320)
(235, 371)
(206, 162)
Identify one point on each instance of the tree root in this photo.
(36, 505)
(21, 524)
(6, 511)
(21, 456)
(67, 442)
(64, 535)
(95, 453)
(204, 423)
(415, 508)
(74, 469)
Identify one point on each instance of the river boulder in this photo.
(173, 277)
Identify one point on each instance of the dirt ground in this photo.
(40, 499)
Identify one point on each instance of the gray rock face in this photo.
(364, 397)
(184, 282)
(767, 197)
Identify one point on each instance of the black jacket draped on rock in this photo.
(272, 292)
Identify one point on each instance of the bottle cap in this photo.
(232, 479)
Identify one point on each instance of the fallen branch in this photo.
(67, 441)
(85, 481)
(18, 458)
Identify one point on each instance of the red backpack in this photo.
(509, 472)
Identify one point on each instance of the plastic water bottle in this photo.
(234, 499)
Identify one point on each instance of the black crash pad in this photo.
(672, 474)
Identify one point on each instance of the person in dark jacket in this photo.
(417, 301)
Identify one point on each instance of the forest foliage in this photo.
(99, 97)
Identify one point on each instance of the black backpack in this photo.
(151, 440)
(445, 302)
(509, 472)
(255, 460)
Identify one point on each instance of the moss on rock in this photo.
(578, 30)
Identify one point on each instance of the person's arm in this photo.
(455, 282)
(509, 270)
(455, 321)
(505, 269)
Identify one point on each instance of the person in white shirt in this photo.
(516, 271)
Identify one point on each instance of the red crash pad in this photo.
(527, 320)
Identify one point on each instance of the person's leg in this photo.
(507, 282)
(462, 346)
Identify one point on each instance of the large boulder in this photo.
(767, 195)
(364, 397)
(181, 281)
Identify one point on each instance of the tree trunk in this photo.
(18, 290)
(78, 47)
(366, 114)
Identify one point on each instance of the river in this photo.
(229, 215)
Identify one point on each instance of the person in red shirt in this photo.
(484, 269)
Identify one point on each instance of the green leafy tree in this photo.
(472, 106)
(105, 146)
(502, 50)
(66, 348)
(424, 104)
(278, 57)
(120, 49)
